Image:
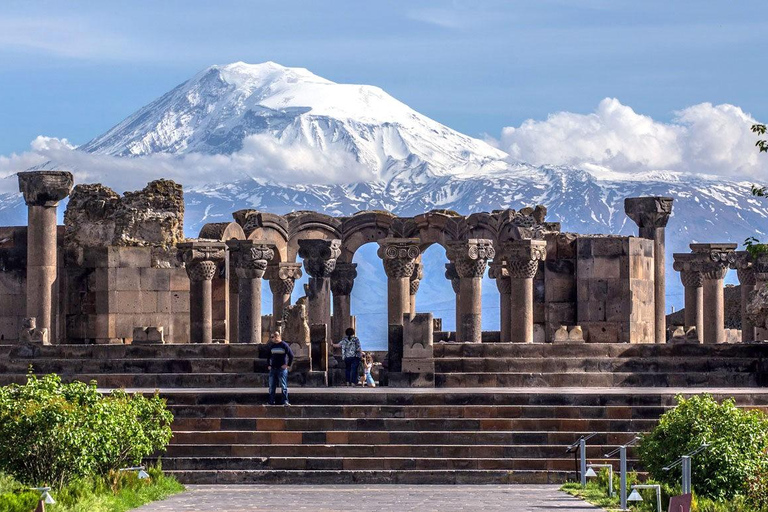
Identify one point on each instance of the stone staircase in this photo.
(600, 365)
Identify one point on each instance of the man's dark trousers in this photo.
(276, 374)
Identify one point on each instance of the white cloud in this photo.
(262, 157)
(704, 138)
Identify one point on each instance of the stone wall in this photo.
(614, 280)
(13, 282)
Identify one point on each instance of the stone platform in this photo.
(429, 436)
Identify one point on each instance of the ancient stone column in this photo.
(713, 261)
(453, 277)
(42, 192)
(756, 305)
(470, 257)
(522, 258)
(250, 258)
(342, 281)
(416, 277)
(747, 283)
(201, 260)
(319, 261)
(399, 258)
(692, 280)
(651, 215)
(498, 270)
(282, 278)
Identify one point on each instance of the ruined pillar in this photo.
(250, 258)
(522, 258)
(416, 277)
(693, 280)
(42, 192)
(399, 257)
(651, 215)
(342, 281)
(470, 257)
(201, 260)
(747, 282)
(713, 261)
(756, 301)
(453, 277)
(498, 270)
(282, 278)
(319, 261)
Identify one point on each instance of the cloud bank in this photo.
(262, 157)
(704, 138)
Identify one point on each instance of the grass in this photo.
(594, 493)
(117, 492)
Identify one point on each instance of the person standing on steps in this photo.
(350, 352)
(280, 359)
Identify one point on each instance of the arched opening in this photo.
(436, 293)
(369, 298)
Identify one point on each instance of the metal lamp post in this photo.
(581, 445)
(622, 451)
(685, 463)
(610, 475)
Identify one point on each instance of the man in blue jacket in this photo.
(280, 358)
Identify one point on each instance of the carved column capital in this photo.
(250, 257)
(710, 260)
(692, 279)
(201, 259)
(453, 276)
(343, 278)
(282, 277)
(471, 256)
(744, 268)
(523, 256)
(498, 270)
(649, 212)
(319, 256)
(45, 188)
(399, 256)
(416, 277)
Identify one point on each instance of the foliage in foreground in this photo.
(53, 433)
(737, 441)
(118, 492)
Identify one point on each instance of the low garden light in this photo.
(45, 495)
(635, 496)
(591, 474)
(140, 471)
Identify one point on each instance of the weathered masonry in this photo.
(120, 271)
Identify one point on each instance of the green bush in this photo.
(52, 433)
(738, 440)
(21, 501)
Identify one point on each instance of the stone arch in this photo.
(362, 228)
(310, 225)
(436, 227)
(265, 226)
(222, 231)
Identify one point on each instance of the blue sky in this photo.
(74, 69)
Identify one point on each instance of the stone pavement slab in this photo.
(370, 498)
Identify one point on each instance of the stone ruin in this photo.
(120, 271)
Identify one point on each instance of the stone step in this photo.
(178, 380)
(579, 397)
(142, 365)
(372, 450)
(507, 438)
(620, 350)
(369, 463)
(598, 379)
(340, 477)
(425, 411)
(597, 364)
(411, 424)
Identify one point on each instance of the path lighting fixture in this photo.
(580, 446)
(635, 496)
(591, 474)
(45, 495)
(685, 462)
(141, 471)
(622, 451)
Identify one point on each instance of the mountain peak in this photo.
(251, 76)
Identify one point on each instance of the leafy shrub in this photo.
(52, 433)
(738, 440)
(757, 489)
(21, 501)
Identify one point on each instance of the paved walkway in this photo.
(370, 498)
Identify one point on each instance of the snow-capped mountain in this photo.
(399, 160)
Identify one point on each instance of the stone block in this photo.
(560, 289)
(127, 279)
(104, 302)
(179, 329)
(101, 326)
(561, 335)
(135, 257)
(539, 333)
(179, 280)
(563, 313)
(155, 279)
(9, 328)
(610, 246)
(128, 302)
(101, 257)
(12, 283)
(598, 289)
(576, 335)
(180, 302)
(124, 324)
(566, 246)
(102, 279)
(12, 305)
(139, 334)
(77, 327)
(163, 302)
(607, 267)
(601, 332)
